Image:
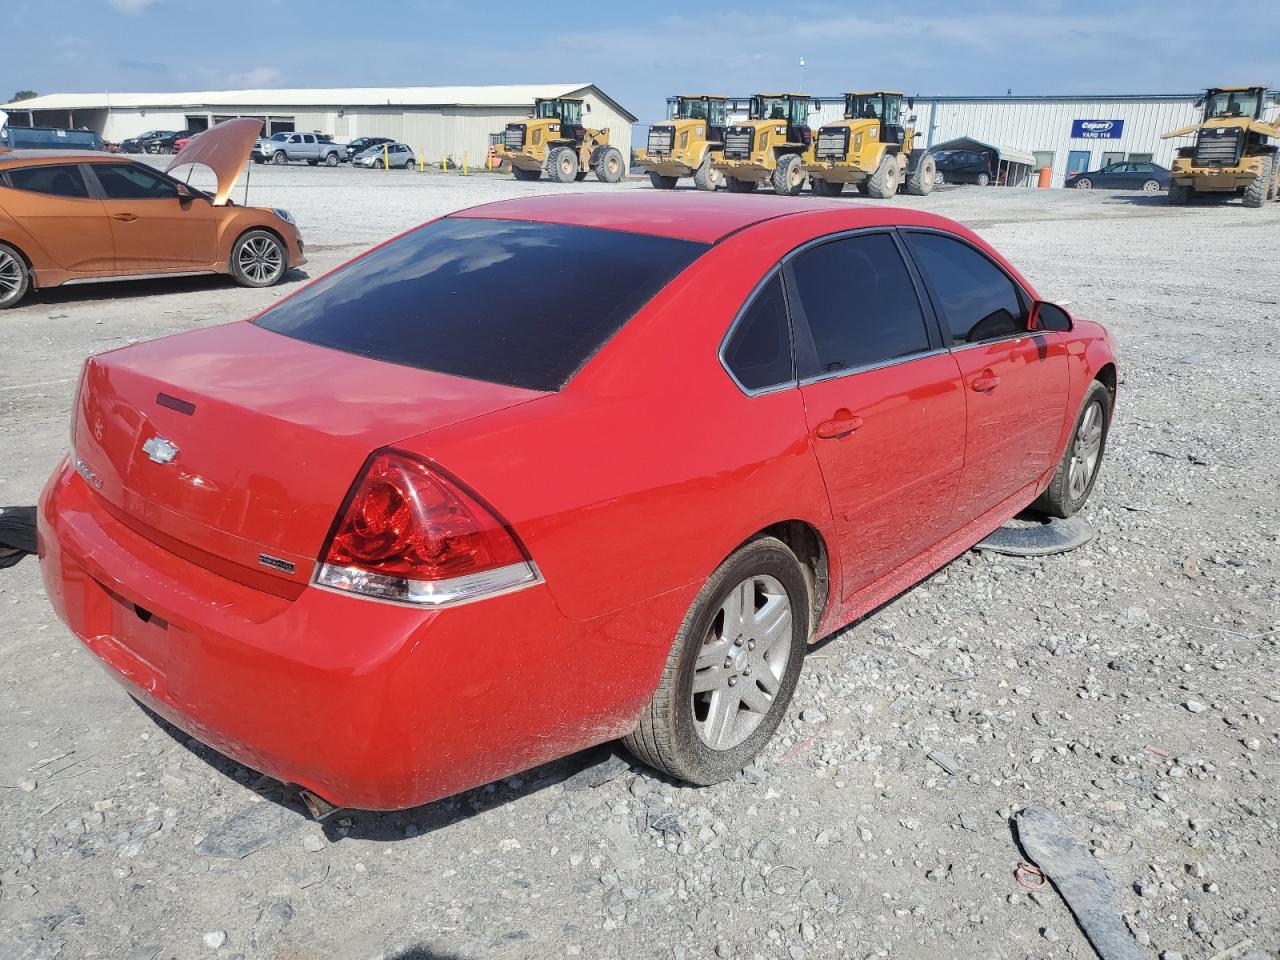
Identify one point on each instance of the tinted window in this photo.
(859, 303)
(977, 298)
(759, 352)
(59, 180)
(129, 181)
(525, 304)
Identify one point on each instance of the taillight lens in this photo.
(410, 533)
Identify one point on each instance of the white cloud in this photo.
(131, 6)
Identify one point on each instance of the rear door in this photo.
(52, 202)
(1015, 380)
(155, 230)
(883, 401)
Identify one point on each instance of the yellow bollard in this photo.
(386, 158)
(464, 163)
(421, 160)
(444, 163)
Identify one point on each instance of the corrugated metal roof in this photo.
(504, 95)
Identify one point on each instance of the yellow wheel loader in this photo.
(772, 146)
(553, 140)
(1231, 153)
(685, 145)
(871, 148)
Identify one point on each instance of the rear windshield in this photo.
(524, 304)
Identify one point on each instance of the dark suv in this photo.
(361, 144)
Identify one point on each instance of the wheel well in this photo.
(31, 272)
(807, 544)
(1107, 377)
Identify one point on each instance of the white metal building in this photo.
(436, 120)
(1066, 133)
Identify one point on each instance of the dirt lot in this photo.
(1131, 685)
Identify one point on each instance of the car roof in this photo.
(30, 155)
(686, 215)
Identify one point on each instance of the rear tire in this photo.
(735, 185)
(15, 278)
(984, 179)
(1151, 186)
(610, 166)
(331, 160)
(662, 183)
(825, 188)
(1179, 194)
(522, 174)
(921, 180)
(562, 165)
(743, 643)
(883, 184)
(707, 177)
(1255, 194)
(788, 175)
(1078, 471)
(258, 259)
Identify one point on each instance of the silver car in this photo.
(386, 155)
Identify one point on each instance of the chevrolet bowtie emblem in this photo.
(160, 450)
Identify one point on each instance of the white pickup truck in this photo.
(281, 148)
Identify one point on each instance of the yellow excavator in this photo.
(553, 140)
(685, 145)
(1232, 152)
(872, 148)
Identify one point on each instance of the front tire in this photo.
(707, 177)
(662, 183)
(1255, 194)
(825, 188)
(522, 174)
(15, 278)
(279, 158)
(788, 175)
(1078, 471)
(883, 184)
(258, 259)
(740, 186)
(562, 165)
(609, 166)
(1084, 183)
(732, 668)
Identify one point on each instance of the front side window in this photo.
(130, 181)
(759, 351)
(859, 303)
(454, 296)
(58, 180)
(977, 299)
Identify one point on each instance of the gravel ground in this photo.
(1131, 685)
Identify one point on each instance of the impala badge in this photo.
(160, 450)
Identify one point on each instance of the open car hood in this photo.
(224, 149)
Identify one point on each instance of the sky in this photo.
(636, 53)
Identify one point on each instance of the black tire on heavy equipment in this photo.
(825, 188)
(739, 186)
(662, 183)
(1179, 194)
(921, 180)
(1255, 194)
(562, 165)
(883, 184)
(707, 177)
(863, 187)
(610, 166)
(1057, 500)
(522, 174)
(666, 737)
(788, 175)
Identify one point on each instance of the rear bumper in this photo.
(370, 705)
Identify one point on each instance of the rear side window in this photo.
(859, 303)
(524, 304)
(976, 297)
(58, 180)
(759, 351)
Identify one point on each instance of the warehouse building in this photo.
(1064, 133)
(439, 121)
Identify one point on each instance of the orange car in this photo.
(76, 217)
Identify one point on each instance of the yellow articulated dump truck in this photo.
(685, 145)
(1231, 153)
(872, 148)
(553, 140)
(771, 146)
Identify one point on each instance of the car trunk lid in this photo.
(235, 446)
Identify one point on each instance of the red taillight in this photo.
(410, 533)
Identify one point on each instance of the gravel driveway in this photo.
(1132, 685)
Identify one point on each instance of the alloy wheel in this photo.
(261, 260)
(1085, 450)
(10, 276)
(1151, 186)
(742, 662)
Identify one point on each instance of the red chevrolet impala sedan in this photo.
(553, 471)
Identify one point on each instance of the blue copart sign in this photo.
(1097, 129)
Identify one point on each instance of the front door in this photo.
(1111, 157)
(883, 402)
(1015, 381)
(53, 204)
(1077, 162)
(155, 230)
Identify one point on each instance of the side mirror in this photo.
(1049, 316)
(185, 193)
